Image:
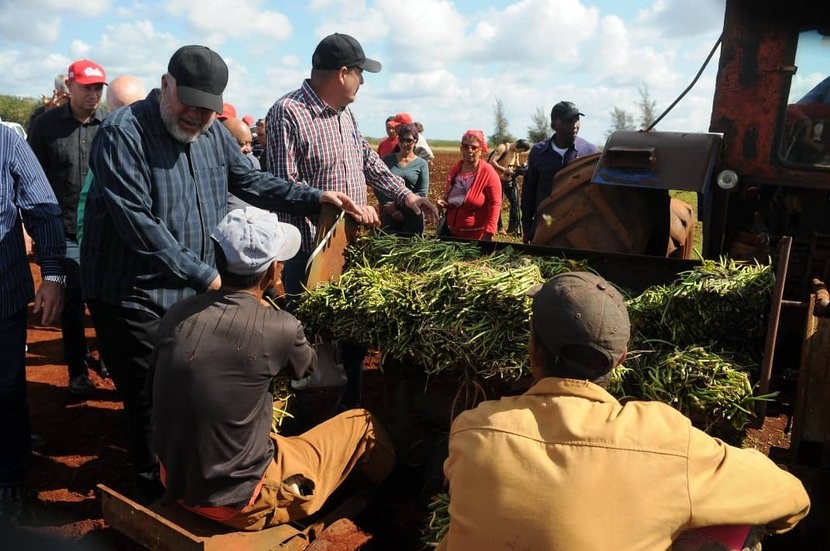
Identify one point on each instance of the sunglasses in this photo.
(407, 141)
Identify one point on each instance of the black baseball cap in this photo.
(565, 110)
(201, 76)
(584, 310)
(341, 50)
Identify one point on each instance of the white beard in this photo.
(168, 118)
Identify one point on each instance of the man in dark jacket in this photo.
(549, 157)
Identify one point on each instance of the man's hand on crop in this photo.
(421, 205)
(363, 214)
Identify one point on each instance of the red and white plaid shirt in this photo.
(311, 142)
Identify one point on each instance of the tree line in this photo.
(540, 130)
(16, 109)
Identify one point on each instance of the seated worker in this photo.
(216, 354)
(566, 466)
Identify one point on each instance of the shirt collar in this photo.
(317, 105)
(66, 113)
(571, 387)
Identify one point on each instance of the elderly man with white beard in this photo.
(162, 173)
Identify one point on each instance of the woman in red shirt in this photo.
(473, 192)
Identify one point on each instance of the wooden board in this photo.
(172, 528)
(335, 232)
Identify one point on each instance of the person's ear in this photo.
(269, 279)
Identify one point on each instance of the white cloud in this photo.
(84, 8)
(681, 18)
(239, 19)
(40, 29)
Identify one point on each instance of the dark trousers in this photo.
(510, 191)
(293, 276)
(73, 316)
(126, 338)
(15, 436)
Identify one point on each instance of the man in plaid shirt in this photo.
(312, 138)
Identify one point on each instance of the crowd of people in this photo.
(168, 218)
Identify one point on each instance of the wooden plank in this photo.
(172, 528)
(143, 525)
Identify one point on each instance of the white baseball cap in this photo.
(253, 238)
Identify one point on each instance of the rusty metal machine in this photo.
(762, 178)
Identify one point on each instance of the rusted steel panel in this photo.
(756, 61)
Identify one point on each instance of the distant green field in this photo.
(439, 145)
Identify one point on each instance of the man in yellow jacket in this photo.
(566, 466)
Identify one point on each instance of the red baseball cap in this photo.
(249, 120)
(228, 112)
(401, 118)
(85, 71)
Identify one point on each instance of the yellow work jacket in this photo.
(566, 466)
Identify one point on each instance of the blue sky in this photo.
(444, 61)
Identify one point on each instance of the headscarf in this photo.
(479, 136)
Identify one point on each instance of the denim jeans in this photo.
(14, 409)
(510, 191)
(293, 277)
(74, 316)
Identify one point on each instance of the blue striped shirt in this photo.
(154, 202)
(311, 142)
(25, 192)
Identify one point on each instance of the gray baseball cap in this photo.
(252, 239)
(581, 309)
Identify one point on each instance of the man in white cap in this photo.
(566, 466)
(163, 169)
(215, 358)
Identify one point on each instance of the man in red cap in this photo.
(389, 144)
(61, 139)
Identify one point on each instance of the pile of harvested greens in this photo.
(447, 307)
(439, 305)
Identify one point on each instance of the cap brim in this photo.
(86, 81)
(370, 65)
(197, 98)
(291, 242)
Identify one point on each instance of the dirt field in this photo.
(85, 443)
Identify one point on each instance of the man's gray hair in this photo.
(60, 83)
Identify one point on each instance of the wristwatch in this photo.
(59, 279)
